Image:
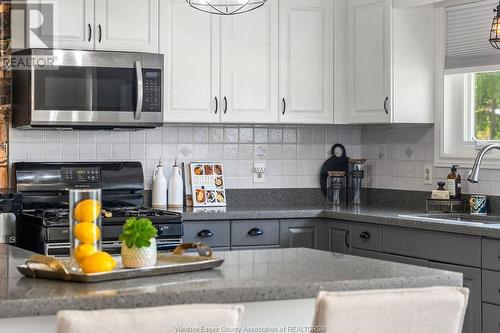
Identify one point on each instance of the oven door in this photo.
(98, 89)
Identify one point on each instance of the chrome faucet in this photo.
(474, 174)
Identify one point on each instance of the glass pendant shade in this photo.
(495, 29)
(226, 7)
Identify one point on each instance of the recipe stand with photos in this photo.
(207, 184)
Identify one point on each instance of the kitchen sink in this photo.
(455, 217)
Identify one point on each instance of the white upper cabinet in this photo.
(72, 26)
(189, 40)
(130, 25)
(114, 25)
(220, 69)
(249, 66)
(390, 63)
(306, 61)
(368, 61)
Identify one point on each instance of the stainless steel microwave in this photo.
(87, 89)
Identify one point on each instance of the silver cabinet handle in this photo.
(216, 105)
(140, 89)
(100, 33)
(385, 105)
(90, 32)
(284, 105)
(225, 105)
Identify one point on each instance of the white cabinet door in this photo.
(189, 40)
(130, 25)
(368, 75)
(306, 61)
(72, 26)
(249, 66)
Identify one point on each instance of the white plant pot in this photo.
(136, 258)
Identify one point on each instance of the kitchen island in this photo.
(284, 280)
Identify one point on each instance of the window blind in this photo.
(467, 33)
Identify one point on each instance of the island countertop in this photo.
(245, 276)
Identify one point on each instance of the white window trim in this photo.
(452, 128)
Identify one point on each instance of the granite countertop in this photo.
(367, 213)
(245, 276)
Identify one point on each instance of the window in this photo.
(467, 84)
(486, 105)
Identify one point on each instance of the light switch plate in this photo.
(428, 168)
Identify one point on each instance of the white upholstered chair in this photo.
(419, 310)
(150, 320)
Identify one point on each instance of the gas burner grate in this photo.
(54, 214)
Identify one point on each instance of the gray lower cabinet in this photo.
(491, 287)
(472, 280)
(214, 233)
(421, 248)
(255, 233)
(300, 233)
(432, 245)
(405, 260)
(366, 236)
(340, 238)
(366, 253)
(491, 254)
(239, 248)
(491, 318)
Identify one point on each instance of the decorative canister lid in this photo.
(336, 173)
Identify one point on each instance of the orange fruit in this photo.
(87, 210)
(87, 232)
(84, 250)
(98, 262)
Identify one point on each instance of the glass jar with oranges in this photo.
(85, 224)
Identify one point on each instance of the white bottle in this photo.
(159, 196)
(175, 188)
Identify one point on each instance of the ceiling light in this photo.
(495, 29)
(226, 7)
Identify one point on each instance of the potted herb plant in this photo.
(138, 243)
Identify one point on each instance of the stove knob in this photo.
(159, 229)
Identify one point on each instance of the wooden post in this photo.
(5, 90)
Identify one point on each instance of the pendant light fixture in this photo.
(495, 29)
(226, 7)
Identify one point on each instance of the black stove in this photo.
(44, 224)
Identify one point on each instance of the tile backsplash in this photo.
(294, 154)
(398, 154)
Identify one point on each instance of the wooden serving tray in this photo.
(54, 269)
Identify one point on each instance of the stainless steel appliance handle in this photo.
(140, 89)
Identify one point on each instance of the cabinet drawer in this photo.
(260, 247)
(366, 253)
(405, 260)
(491, 287)
(491, 254)
(367, 237)
(432, 245)
(212, 233)
(472, 281)
(491, 318)
(255, 233)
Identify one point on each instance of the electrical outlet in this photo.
(428, 174)
(259, 172)
(381, 152)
